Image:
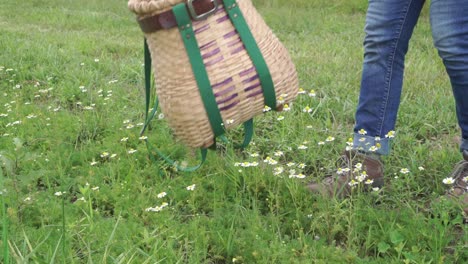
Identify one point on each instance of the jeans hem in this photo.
(375, 145)
(463, 145)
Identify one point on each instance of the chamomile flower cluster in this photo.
(329, 139)
(451, 181)
(366, 145)
(163, 196)
(159, 208)
(310, 93)
(359, 175)
(277, 161)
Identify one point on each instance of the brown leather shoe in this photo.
(355, 169)
(459, 190)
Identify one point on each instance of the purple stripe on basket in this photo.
(220, 9)
(227, 99)
(214, 61)
(255, 93)
(196, 22)
(227, 107)
(211, 53)
(250, 79)
(252, 87)
(201, 29)
(243, 73)
(233, 42)
(207, 45)
(227, 81)
(222, 19)
(239, 49)
(225, 91)
(230, 34)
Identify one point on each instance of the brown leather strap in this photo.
(167, 19)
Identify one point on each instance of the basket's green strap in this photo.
(147, 84)
(238, 20)
(188, 36)
(166, 158)
(184, 23)
(248, 133)
(150, 116)
(248, 130)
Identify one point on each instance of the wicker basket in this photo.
(231, 72)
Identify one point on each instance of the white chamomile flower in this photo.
(307, 109)
(373, 149)
(278, 170)
(266, 109)
(279, 153)
(358, 166)
(369, 181)
(448, 181)
(362, 132)
(404, 170)
(300, 176)
(131, 151)
(390, 134)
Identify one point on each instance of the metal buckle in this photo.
(196, 16)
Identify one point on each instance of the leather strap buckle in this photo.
(193, 12)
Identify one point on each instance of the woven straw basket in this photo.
(232, 75)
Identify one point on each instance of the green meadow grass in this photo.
(77, 185)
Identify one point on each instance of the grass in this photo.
(75, 191)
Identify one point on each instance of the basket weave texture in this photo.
(232, 75)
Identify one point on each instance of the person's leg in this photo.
(389, 26)
(449, 21)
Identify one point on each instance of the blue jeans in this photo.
(389, 26)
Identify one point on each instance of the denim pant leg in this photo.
(389, 26)
(449, 22)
